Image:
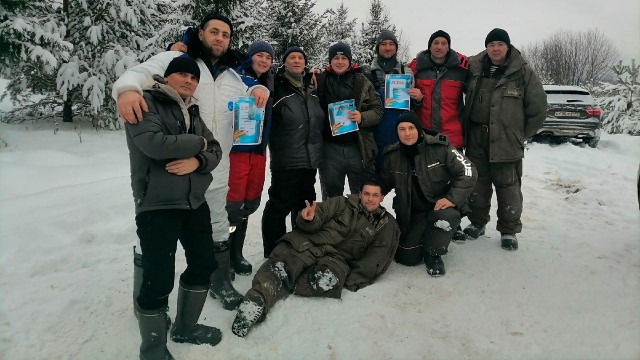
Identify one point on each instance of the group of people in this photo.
(464, 135)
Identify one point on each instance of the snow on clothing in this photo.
(336, 164)
(296, 151)
(442, 106)
(441, 172)
(168, 206)
(248, 162)
(170, 130)
(503, 109)
(216, 91)
(343, 246)
(385, 132)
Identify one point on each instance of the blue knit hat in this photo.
(340, 48)
(292, 50)
(261, 46)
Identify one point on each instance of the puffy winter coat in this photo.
(216, 97)
(341, 229)
(170, 130)
(296, 132)
(367, 102)
(442, 106)
(518, 105)
(442, 171)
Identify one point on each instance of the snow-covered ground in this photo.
(572, 290)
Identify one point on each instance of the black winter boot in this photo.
(458, 235)
(153, 331)
(435, 265)
(239, 264)
(250, 312)
(221, 287)
(474, 230)
(185, 329)
(509, 242)
(137, 278)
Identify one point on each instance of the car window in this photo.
(569, 96)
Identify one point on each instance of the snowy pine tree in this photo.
(338, 27)
(621, 101)
(377, 20)
(251, 19)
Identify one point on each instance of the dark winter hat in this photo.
(497, 35)
(386, 35)
(340, 48)
(261, 46)
(215, 16)
(411, 117)
(183, 64)
(439, 33)
(292, 50)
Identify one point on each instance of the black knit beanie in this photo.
(410, 117)
(292, 50)
(340, 48)
(497, 35)
(439, 33)
(183, 64)
(215, 16)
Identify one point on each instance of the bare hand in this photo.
(179, 46)
(355, 116)
(183, 166)
(130, 106)
(314, 72)
(261, 97)
(415, 94)
(443, 204)
(309, 212)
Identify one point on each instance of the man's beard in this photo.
(214, 54)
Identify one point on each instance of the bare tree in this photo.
(404, 45)
(573, 57)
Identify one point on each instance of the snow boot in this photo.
(239, 264)
(137, 278)
(186, 329)
(458, 235)
(435, 265)
(221, 287)
(509, 242)
(250, 312)
(153, 331)
(474, 230)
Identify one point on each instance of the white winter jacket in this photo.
(214, 97)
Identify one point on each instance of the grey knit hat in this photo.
(261, 46)
(386, 35)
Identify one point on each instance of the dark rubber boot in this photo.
(474, 230)
(239, 264)
(509, 242)
(137, 278)
(153, 331)
(251, 311)
(186, 329)
(435, 265)
(221, 287)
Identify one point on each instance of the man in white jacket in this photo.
(219, 87)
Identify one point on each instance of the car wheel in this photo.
(592, 142)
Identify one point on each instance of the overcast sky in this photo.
(469, 21)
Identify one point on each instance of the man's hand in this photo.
(415, 94)
(443, 204)
(179, 46)
(309, 212)
(130, 106)
(355, 116)
(261, 97)
(183, 166)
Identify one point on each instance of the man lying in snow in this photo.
(342, 242)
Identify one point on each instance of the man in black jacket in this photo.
(432, 180)
(172, 154)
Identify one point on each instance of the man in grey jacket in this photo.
(172, 154)
(505, 105)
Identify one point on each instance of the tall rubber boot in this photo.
(185, 328)
(239, 264)
(137, 277)
(221, 287)
(153, 331)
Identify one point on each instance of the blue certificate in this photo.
(339, 117)
(395, 91)
(247, 122)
